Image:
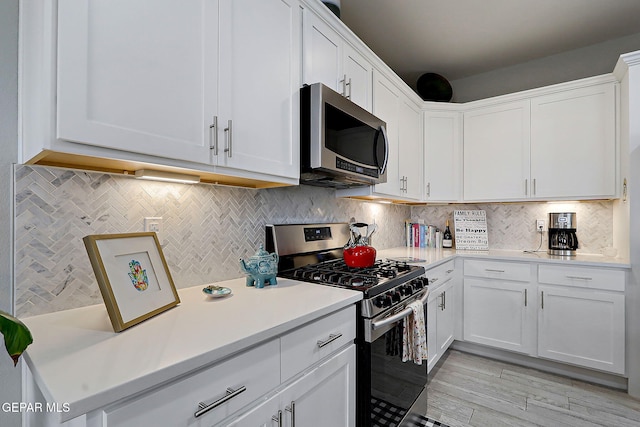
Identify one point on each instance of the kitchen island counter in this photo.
(78, 361)
(433, 257)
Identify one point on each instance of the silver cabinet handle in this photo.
(533, 192)
(349, 84)
(278, 418)
(525, 297)
(444, 301)
(213, 140)
(434, 280)
(526, 187)
(332, 337)
(230, 394)
(344, 85)
(542, 300)
(579, 277)
(292, 408)
(441, 306)
(449, 271)
(494, 270)
(229, 132)
(428, 189)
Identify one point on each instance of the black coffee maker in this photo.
(562, 234)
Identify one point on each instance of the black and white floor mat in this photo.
(385, 414)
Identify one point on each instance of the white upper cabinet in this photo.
(258, 122)
(331, 60)
(573, 143)
(410, 146)
(404, 130)
(560, 144)
(442, 155)
(386, 106)
(209, 85)
(496, 152)
(141, 81)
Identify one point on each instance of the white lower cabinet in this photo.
(579, 311)
(497, 313)
(306, 375)
(255, 371)
(441, 316)
(583, 322)
(321, 397)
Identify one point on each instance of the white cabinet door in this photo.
(584, 327)
(329, 59)
(323, 397)
(410, 146)
(441, 319)
(442, 156)
(496, 152)
(259, 80)
(326, 395)
(358, 75)
(573, 143)
(322, 57)
(138, 76)
(499, 314)
(386, 106)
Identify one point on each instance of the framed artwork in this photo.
(133, 276)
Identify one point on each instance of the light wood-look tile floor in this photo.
(467, 390)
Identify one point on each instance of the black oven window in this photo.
(352, 139)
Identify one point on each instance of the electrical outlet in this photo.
(540, 225)
(153, 223)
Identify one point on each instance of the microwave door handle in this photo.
(386, 150)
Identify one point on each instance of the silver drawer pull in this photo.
(332, 337)
(231, 393)
(579, 277)
(278, 418)
(434, 280)
(493, 270)
(449, 271)
(292, 408)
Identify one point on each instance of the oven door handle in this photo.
(399, 315)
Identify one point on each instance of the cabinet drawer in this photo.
(258, 370)
(583, 277)
(440, 274)
(498, 270)
(309, 344)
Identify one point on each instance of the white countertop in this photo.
(433, 257)
(76, 358)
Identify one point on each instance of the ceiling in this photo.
(461, 38)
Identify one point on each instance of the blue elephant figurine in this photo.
(261, 268)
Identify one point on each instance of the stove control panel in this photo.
(382, 302)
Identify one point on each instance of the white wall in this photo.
(9, 376)
(572, 65)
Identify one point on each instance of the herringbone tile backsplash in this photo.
(207, 228)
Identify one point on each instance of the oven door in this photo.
(392, 386)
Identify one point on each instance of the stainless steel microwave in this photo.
(342, 144)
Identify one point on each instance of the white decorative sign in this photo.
(470, 228)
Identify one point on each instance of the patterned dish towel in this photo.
(414, 337)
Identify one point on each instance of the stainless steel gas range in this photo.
(313, 253)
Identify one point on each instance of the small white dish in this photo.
(216, 291)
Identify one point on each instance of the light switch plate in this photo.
(154, 223)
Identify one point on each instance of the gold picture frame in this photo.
(133, 276)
